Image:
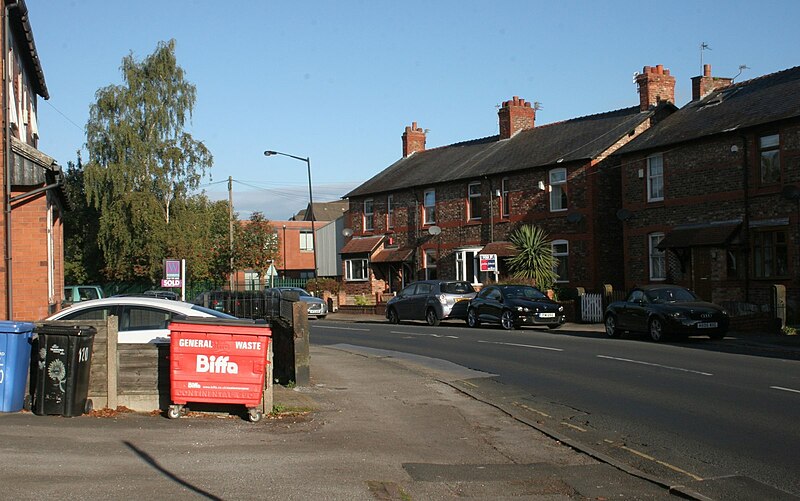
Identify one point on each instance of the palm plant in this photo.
(535, 260)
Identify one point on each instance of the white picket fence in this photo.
(592, 308)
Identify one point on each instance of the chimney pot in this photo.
(515, 115)
(655, 85)
(706, 70)
(413, 139)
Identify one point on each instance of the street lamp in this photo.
(307, 160)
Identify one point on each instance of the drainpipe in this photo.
(9, 159)
(746, 218)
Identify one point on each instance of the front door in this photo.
(701, 272)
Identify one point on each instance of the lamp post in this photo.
(284, 252)
(307, 160)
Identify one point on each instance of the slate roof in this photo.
(393, 255)
(502, 248)
(762, 100)
(576, 139)
(361, 245)
(699, 236)
(21, 27)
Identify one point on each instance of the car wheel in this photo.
(472, 318)
(611, 326)
(431, 318)
(507, 321)
(321, 317)
(656, 330)
(392, 316)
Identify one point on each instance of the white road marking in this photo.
(407, 333)
(784, 389)
(655, 365)
(522, 345)
(340, 328)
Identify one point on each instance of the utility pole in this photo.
(230, 226)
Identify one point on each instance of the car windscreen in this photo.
(213, 313)
(672, 295)
(456, 288)
(523, 292)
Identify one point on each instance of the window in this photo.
(769, 149)
(306, 240)
(467, 266)
(770, 256)
(505, 203)
(136, 318)
(558, 189)
(252, 281)
(429, 203)
(655, 178)
(561, 253)
(474, 193)
(368, 215)
(357, 270)
(390, 211)
(658, 265)
(101, 313)
(430, 264)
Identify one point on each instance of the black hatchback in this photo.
(513, 306)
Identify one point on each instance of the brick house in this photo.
(711, 195)
(32, 271)
(431, 213)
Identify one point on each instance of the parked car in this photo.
(664, 310)
(430, 300)
(141, 319)
(162, 294)
(316, 306)
(78, 293)
(513, 306)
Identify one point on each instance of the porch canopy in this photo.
(363, 245)
(709, 235)
(394, 255)
(502, 248)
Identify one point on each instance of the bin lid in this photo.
(62, 329)
(10, 326)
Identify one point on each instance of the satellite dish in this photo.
(624, 214)
(574, 217)
(348, 232)
(434, 230)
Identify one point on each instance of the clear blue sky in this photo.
(338, 81)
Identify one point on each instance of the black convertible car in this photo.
(663, 310)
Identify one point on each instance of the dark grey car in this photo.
(430, 300)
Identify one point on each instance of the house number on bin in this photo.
(83, 355)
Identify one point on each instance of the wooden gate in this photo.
(591, 308)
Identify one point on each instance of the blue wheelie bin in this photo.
(15, 355)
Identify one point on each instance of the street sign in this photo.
(171, 282)
(271, 271)
(488, 262)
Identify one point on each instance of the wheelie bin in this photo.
(64, 364)
(219, 362)
(15, 355)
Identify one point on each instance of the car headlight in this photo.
(442, 298)
(561, 309)
(522, 309)
(677, 315)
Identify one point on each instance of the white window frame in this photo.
(357, 269)
(505, 202)
(429, 259)
(252, 280)
(655, 178)
(468, 266)
(429, 207)
(306, 240)
(558, 188)
(657, 261)
(563, 260)
(389, 211)
(474, 201)
(369, 215)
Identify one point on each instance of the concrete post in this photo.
(302, 360)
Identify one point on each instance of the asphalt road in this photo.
(692, 411)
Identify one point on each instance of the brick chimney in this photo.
(515, 115)
(413, 139)
(705, 85)
(656, 85)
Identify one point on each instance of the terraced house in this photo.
(434, 211)
(711, 195)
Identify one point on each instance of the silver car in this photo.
(317, 308)
(430, 300)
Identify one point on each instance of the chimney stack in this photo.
(413, 140)
(515, 115)
(705, 85)
(656, 85)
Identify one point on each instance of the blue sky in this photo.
(337, 81)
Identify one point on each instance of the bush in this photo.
(323, 284)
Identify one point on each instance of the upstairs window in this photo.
(390, 211)
(429, 207)
(474, 193)
(368, 215)
(306, 240)
(655, 178)
(769, 149)
(658, 261)
(558, 189)
(505, 203)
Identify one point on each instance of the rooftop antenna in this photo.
(537, 105)
(703, 47)
(742, 67)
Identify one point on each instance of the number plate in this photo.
(707, 325)
(547, 315)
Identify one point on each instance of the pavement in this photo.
(370, 426)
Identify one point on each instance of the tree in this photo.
(255, 244)
(202, 238)
(535, 260)
(142, 162)
(83, 261)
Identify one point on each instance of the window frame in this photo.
(368, 216)
(306, 237)
(558, 188)
(363, 268)
(474, 205)
(770, 253)
(505, 202)
(389, 211)
(772, 149)
(656, 255)
(252, 280)
(651, 178)
(429, 210)
(562, 263)
(429, 260)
